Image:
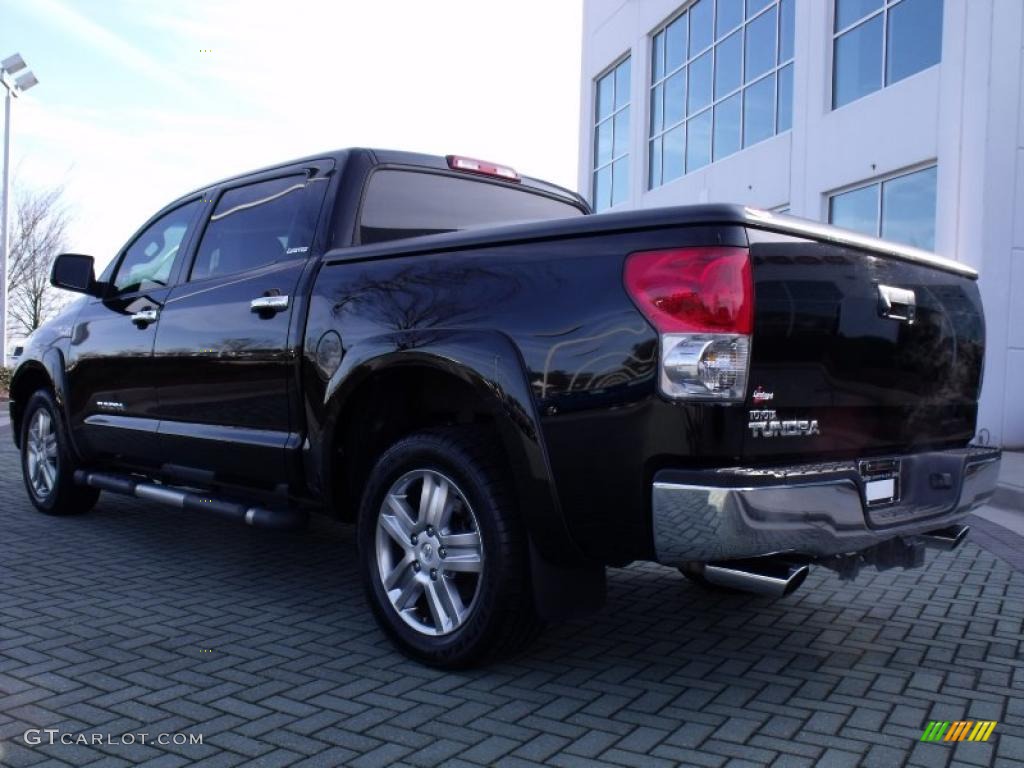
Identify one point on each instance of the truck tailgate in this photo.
(842, 364)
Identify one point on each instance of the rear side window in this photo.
(256, 225)
(400, 204)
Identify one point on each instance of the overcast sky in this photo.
(132, 111)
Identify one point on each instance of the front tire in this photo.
(443, 553)
(47, 466)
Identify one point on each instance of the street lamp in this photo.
(14, 85)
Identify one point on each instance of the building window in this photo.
(900, 208)
(721, 80)
(880, 42)
(611, 137)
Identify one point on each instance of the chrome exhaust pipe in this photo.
(946, 538)
(762, 576)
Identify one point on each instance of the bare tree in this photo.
(38, 234)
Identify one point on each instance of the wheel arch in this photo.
(392, 386)
(32, 375)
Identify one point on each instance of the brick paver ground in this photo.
(138, 618)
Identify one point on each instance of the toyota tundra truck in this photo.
(506, 394)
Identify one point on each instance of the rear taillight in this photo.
(701, 300)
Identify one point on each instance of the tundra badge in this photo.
(767, 424)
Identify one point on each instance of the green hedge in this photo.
(5, 378)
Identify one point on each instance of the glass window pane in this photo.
(603, 188)
(856, 210)
(727, 127)
(675, 98)
(784, 111)
(621, 138)
(253, 226)
(857, 63)
(730, 14)
(699, 84)
(760, 49)
(654, 169)
(620, 181)
(787, 21)
(622, 84)
(148, 261)
(675, 146)
(698, 141)
(603, 144)
(908, 209)
(675, 44)
(605, 96)
(848, 11)
(915, 38)
(753, 6)
(656, 109)
(658, 57)
(728, 55)
(758, 111)
(700, 14)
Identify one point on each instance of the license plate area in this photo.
(881, 482)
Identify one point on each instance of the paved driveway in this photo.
(142, 619)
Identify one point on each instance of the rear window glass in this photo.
(402, 204)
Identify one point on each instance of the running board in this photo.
(279, 519)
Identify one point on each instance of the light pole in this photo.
(14, 86)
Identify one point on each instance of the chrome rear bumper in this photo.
(813, 510)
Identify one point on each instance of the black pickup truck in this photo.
(507, 394)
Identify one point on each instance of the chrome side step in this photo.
(946, 538)
(280, 519)
(775, 578)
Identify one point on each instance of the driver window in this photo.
(148, 262)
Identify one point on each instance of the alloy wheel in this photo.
(430, 556)
(41, 455)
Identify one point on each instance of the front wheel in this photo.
(443, 552)
(46, 462)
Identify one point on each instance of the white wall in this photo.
(967, 114)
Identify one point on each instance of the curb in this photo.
(1008, 497)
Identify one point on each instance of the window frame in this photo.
(596, 121)
(773, 72)
(886, 7)
(879, 181)
(184, 248)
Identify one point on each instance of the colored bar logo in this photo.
(960, 730)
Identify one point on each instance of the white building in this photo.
(903, 118)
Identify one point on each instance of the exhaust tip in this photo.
(947, 538)
(774, 578)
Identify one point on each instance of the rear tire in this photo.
(443, 552)
(47, 465)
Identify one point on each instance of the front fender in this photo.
(49, 365)
(489, 362)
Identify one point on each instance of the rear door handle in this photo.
(145, 317)
(269, 305)
(897, 303)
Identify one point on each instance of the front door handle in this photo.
(145, 317)
(269, 305)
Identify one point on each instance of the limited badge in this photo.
(760, 396)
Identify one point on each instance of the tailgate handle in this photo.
(897, 303)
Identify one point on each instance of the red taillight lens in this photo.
(693, 290)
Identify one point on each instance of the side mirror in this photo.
(74, 272)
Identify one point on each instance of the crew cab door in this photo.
(224, 347)
(111, 382)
